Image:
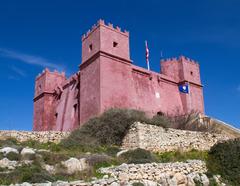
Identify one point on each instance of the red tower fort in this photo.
(108, 79)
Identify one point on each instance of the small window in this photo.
(56, 115)
(75, 108)
(191, 72)
(160, 113)
(90, 47)
(115, 44)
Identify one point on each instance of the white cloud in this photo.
(18, 71)
(238, 88)
(29, 59)
(11, 77)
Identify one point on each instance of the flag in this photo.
(147, 55)
(184, 88)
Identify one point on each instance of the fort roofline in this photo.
(55, 72)
(109, 26)
(180, 58)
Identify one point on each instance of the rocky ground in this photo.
(189, 173)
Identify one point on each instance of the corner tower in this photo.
(186, 71)
(44, 110)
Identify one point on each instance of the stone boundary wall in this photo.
(178, 173)
(140, 135)
(42, 136)
(158, 139)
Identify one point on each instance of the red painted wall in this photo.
(89, 90)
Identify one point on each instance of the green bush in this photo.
(137, 156)
(160, 120)
(112, 150)
(190, 121)
(1, 155)
(97, 158)
(224, 159)
(9, 142)
(107, 129)
(137, 184)
(175, 156)
(26, 173)
(38, 145)
(2, 169)
(13, 156)
(185, 121)
(51, 158)
(28, 156)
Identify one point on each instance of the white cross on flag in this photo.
(147, 55)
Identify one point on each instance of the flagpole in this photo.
(147, 55)
(148, 65)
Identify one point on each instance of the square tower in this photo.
(106, 39)
(45, 84)
(105, 66)
(186, 71)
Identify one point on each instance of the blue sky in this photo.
(36, 34)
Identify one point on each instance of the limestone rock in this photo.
(149, 183)
(50, 168)
(180, 178)
(6, 163)
(74, 165)
(204, 180)
(6, 150)
(114, 184)
(123, 177)
(26, 184)
(79, 183)
(27, 150)
(105, 177)
(121, 152)
(60, 183)
(43, 184)
(28, 153)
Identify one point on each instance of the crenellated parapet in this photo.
(108, 25)
(180, 59)
(47, 71)
(47, 81)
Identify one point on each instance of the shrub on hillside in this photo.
(9, 142)
(98, 159)
(160, 120)
(178, 155)
(107, 129)
(13, 156)
(224, 159)
(110, 128)
(137, 184)
(184, 121)
(1, 155)
(190, 121)
(137, 156)
(27, 173)
(52, 158)
(38, 145)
